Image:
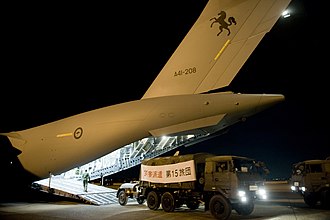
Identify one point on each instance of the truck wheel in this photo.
(122, 198)
(220, 207)
(310, 199)
(153, 201)
(140, 200)
(245, 209)
(168, 202)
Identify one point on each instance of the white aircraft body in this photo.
(179, 101)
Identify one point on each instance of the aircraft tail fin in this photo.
(217, 46)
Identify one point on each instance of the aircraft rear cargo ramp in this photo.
(73, 188)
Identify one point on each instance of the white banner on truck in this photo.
(179, 172)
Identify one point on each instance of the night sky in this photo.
(63, 59)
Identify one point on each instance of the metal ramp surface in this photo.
(73, 188)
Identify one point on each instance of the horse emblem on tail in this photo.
(223, 24)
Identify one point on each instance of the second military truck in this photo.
(221, 183)
(311, 178)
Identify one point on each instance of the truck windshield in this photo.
(245, 166)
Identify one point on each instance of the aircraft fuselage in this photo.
(88, 136)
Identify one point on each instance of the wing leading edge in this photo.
(217, 46)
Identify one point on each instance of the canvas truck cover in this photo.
(171, 169)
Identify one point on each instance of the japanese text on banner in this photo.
(179, 172)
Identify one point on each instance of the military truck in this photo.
(129, 190)
(220, 183)
(311, 178)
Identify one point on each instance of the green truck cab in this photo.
(311, 178)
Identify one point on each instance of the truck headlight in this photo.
(242, 195)
(262, 193)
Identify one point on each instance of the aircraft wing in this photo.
(217, 46)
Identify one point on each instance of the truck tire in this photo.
(153, 200)
(168, 202)
(140, 200)
(122, 198)
(220, 207)
(245, 209)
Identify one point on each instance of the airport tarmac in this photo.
(280, 205)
